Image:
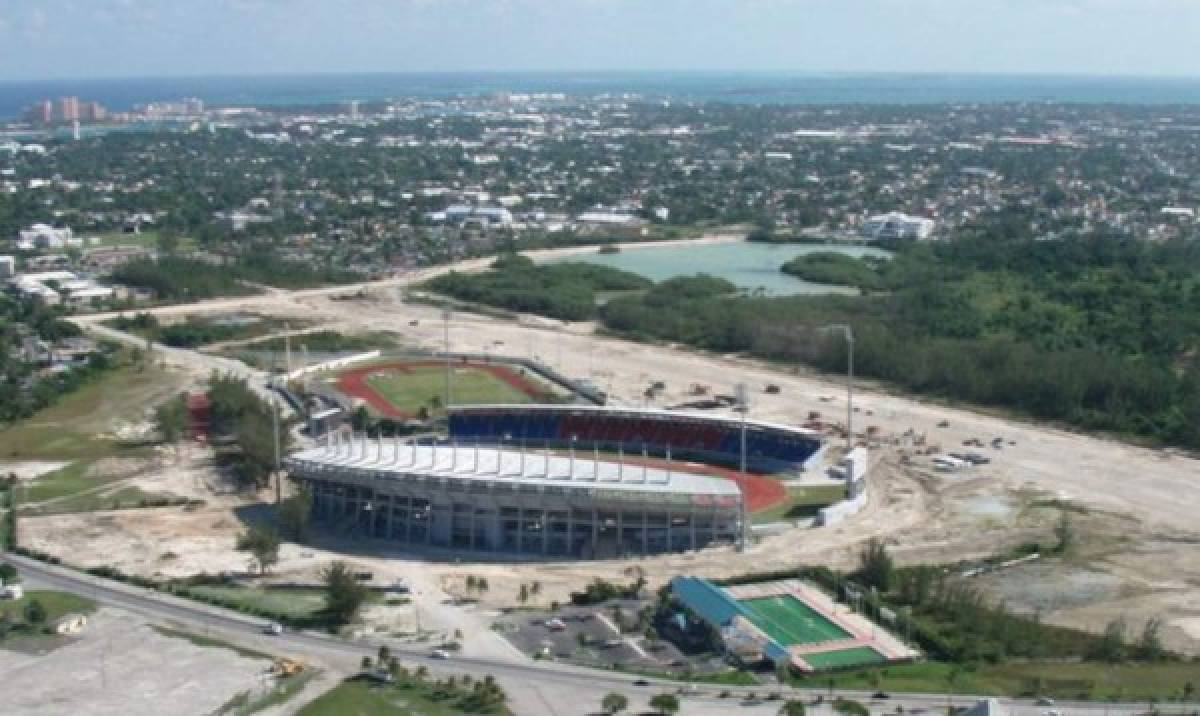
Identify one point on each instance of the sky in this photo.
(45, 39)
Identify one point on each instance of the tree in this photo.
(263, 544)
(875, 565)
(35, 613)
(523, 594)
(1065, 533)
(171, 419)
(614, 703)
(343, 593)
(295, 512)
(1111, 645)
(8, 573)
(1149, 646)
(792, 707)
(665, 703)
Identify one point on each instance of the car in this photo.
(881, 695)
(1045, 701)
(440, 654)
(641, 682)
(273, 629)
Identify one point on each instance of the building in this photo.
(517, 501)
(788, 623)
(896, 225)
(8, 267)
(55, 287)
(68, 109)
(44, 236)
(463, 214)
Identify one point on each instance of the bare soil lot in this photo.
(121, 665)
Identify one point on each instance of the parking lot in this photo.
(589, 636)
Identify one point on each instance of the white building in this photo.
(43, 236)
(8, 267)
(896, 225)
(462, 213)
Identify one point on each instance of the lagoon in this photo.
(748, 265)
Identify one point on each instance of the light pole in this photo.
(743, 406)
(446, 352)
(848, 332)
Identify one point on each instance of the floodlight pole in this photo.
(848, 332)
(446, 352)
(275, 433)
(743, 407)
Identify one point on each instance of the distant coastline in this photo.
(737, 88)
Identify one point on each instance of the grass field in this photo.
(802, 502)
(70, 480)
(77, 426)
(1098, 681)
(408, 391)
(57, 604)
(858, 656)
(294, 602)
(790, 621)
(360, 697)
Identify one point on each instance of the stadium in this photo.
(556, 480)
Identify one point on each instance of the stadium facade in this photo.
(515, 500)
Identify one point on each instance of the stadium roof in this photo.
(735, 420)
(389, 457)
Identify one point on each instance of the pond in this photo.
(748, 265)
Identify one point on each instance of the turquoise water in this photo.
(750, 266)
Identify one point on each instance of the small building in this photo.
(44, 236)
(70, 624)
(8, 267)
(896, 225)
(12, 591)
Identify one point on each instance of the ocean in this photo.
(742, 88)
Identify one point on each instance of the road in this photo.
(536, 687)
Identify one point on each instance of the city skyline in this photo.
(65, 39)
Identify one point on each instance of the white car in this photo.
(440, 654)
(274, 629)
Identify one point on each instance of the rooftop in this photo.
(392, 458)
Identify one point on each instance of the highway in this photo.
(546, 677)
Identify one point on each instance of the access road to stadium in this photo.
(535, 688)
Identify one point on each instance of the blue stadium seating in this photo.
(767, 449)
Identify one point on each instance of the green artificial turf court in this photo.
(790, 621)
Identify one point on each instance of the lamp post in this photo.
(848, 332)
(446, 352)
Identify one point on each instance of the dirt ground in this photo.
(1136, 555)
(121, 665)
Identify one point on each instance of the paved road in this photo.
(539, 687)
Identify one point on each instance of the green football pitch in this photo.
(790, 621)
(858, 656)
(414, 387)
